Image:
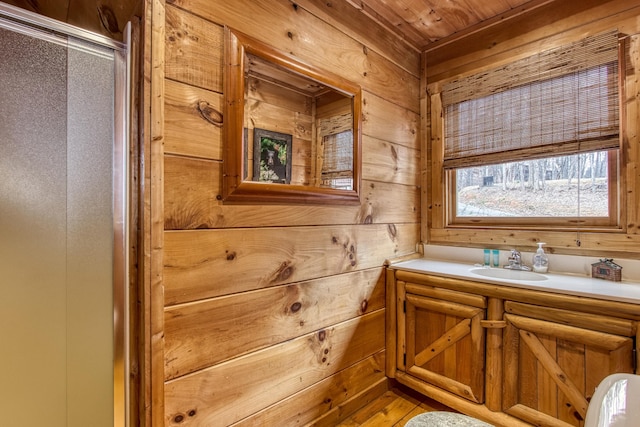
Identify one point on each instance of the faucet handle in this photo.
(515, 260)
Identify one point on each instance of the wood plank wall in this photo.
(272, 315)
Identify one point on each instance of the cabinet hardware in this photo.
(493, 324)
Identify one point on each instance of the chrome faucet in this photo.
(515, 262)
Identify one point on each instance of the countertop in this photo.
(567, 284)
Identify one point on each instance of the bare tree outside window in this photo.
(536, 188)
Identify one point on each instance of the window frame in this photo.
(442, 180)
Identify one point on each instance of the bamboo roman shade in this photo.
(336, 135)
(560, 101)
(338, 155)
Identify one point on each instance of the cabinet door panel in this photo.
(445, 345)
(551, 370)
(529, 392)
(427, 348)
(571, 358)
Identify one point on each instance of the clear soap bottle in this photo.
(540, 260)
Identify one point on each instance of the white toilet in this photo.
(615, 403)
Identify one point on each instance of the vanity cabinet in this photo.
(510, 356)
(444, 339)
(554, 359)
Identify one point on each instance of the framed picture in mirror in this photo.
(272, 152)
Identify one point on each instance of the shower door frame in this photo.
(121, 188)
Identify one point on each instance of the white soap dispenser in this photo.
(540, 260)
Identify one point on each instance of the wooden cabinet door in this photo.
(444, 340)
(551, 369)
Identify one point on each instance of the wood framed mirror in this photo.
(291, 131)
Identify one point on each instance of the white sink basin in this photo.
(504, 273)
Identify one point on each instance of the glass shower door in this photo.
(61, 201)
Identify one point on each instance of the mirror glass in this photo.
(291, 130)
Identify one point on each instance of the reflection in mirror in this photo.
(295, 105)
(272, 160)
(334, 156)
(291, 130)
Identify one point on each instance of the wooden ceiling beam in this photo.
(388, 19)
(483, 25)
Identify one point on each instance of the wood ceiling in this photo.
(427, 24)
(423, 24)
(441, 28)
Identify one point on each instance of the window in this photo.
(337, 165)
(333, 167)
(536, 142)
(545, 188)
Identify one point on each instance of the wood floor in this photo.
(394, 408)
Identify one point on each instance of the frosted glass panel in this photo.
(56, 232)
(33, 167)
(90, 89)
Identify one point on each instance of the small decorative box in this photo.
(606, 269)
